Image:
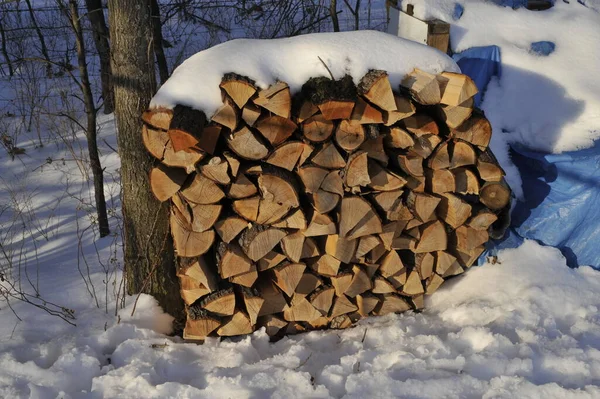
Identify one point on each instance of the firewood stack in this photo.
(312, 211)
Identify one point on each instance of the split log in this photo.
(488, 167)
(375, 149)
(340, 248)
(199, 324)
(245, 144)
(342, 305)
(349, 136)
(202, 191)
(288, 276)
(253, 303)
(320, 225)
(366, 304)
(422, 205)
(404, 109)
(358, 219)
(456, 115)
(466, 181)
(376, 88)
(301, 310)
(357, 172)
(239, 88)
(231, 260)
(453, 210)
(229, 228)
(384, 180)
(440, 181)
(456, 88)
(189, 243)
(217, 170)
(322, 299)
(463, 154)
(423, 87)
(399, 138)
(165, 181)
(308, 283)
(326, 265)
(413, 285)
(186, 127)
(250, 114)
(476, 130)
(290, 155)
(259, 240)
(204, 216)
(317, 129)
(329, 157)
(276, 129)
(238, 324)
(276, 99)
(420, 124)
(242, 187)
(220, 303)
(226, 115)
(391, 303)
(158, 118)
(364, 113)
(433, 238)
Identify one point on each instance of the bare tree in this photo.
(334, 17)
(149, 263)
(90, 111)
(95, 15)
(157, 42)
(38, 31)
(355, 11)
(4, 49)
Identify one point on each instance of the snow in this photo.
(527, 326)
(547, 103)
(294, 60)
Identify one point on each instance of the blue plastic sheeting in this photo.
(511, 3)
(561, 206)
(480, 63)
(543, 48)
(458, 11)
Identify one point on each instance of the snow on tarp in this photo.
(294, 60)
(481, 64)
(546, 103)
(562, 193)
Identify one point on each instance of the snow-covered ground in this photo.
(524, 327)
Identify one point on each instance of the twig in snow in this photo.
(326, 67)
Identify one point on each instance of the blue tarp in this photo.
(480, 63)
(561, 205)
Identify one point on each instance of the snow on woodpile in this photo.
(294, 60)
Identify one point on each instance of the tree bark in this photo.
(334, 17)
(11, 71)
(149, 262)
(44, 49)
(157, 42)
(90, 110)
(100, 34)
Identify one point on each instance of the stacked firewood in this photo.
(314, 210)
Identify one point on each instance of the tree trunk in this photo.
(11, 71)
(44, 49)
(149, 262)
(100, 35)
(334, 17)
(90, 110)
(157, 42)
